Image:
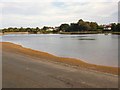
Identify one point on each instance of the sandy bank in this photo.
(1, 34)
(14, 33)
(10, 47)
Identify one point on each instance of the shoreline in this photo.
(69, 33)
(7, 46)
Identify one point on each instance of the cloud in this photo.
(32, 14)
(60, 0)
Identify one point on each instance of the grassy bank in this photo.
(117, 33)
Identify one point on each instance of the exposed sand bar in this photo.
(27, 68)
(70, 61)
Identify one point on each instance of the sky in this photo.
(39, 13)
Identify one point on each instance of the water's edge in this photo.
(56, 55)
(100, 51)
(69, 61)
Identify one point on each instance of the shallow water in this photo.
(95, 48)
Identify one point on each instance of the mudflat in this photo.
(27, 68)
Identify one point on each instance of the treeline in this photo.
(10, 29)
(79, 26)
(30, 30)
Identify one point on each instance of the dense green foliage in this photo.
(79, 26)
(64, 27)
(115, 27)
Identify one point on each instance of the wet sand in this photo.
(40, 69)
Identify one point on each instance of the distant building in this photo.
(49, 29)
(56, 28)
(107, 27)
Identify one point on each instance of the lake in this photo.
(97, 49)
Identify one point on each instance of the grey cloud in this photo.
(24, 8)
(54, 13)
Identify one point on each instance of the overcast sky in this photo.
(37, 13)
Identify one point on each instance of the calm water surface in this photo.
(96, 48)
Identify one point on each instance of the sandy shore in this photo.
(1, 34)
(70, 61)
(13, 33)
(27, 68)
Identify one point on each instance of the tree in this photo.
(113, 27)
(80, 22)
(28, 29)
(73, 27)
(10, 29)
(21, 29)
(93, 25)
(83, 26)
(64, 27)
(44, 28)
(37, 29)
(118, 27)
